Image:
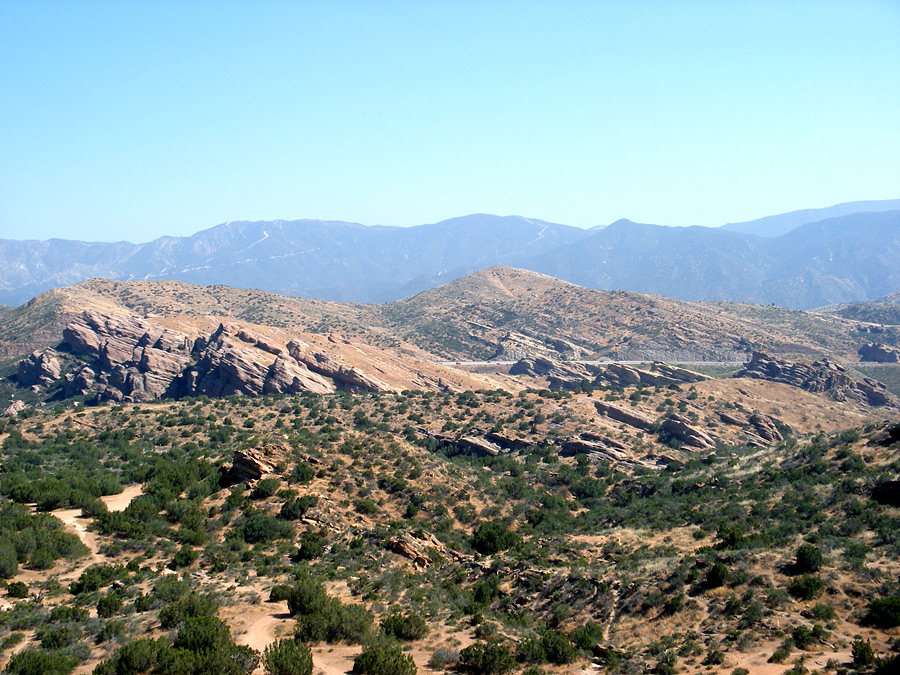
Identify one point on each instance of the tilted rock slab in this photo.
(820, 377)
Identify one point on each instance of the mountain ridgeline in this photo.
(839, 259)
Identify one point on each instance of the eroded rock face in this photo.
(253, 464)
(630, 417)
(350, 377)
(572, 375)
(41, 369)
(560, 375)
(14, 408)
(682, 429)
(879, 353)
(765, 428)
(660, 374)
(823, 377)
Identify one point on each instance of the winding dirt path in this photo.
(77, 524)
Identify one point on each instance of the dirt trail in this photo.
(258, 626)
(77, 524)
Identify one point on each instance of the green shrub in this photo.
(492, 537)
(17, 589)
(404, 626)
(112, 629)
(203, 634)
(190, 606)
(312, 546)
(287, 657)
(41, 662)
(280, 592)
(863, 654)
(807, 587)
(486, 658)
(332, 621)
(884, 612)
(809, 559)
(823, 612)
(185, 557)
(384, 661)
(59, 636)
(109, 604)
(588, 636)
(558, 648)
(716, 576)
(132, 658)
(259, 527)
(265, 488)
(780, 655)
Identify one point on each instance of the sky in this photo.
(133, 120)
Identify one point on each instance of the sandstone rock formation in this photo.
(631, 417)
(681, 428)
(821, 376)
(765, 427)
(14, 408)
(566, 375)
(251, 465)
(414, 549)
(41, 369)
(660, 374)
(134, 359)
(879, 353)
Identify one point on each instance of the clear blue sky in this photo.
(129, 120)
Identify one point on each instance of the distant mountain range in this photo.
(846, 253)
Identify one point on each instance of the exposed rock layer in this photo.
(821, 376)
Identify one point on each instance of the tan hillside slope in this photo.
(496, 314)
(505, 313)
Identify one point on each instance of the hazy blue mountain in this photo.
(312, 258)
(850, 258)
(775, 226)
(846, 259)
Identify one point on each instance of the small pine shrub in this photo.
(384, 661)
(287, 657)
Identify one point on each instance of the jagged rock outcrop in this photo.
(879, 353)
(595, 448)
(253, 464)
(765, 428)
(630, 417)
(40, 369)
(681, 428)
(733, 419)
(573, 375)
(136, 360)
(507, 442)
(14, 408)
(350, 377)
(561, 376)
(822, 377)
(416, 550)
(140, 360)
(478, 446)
(660, 374)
